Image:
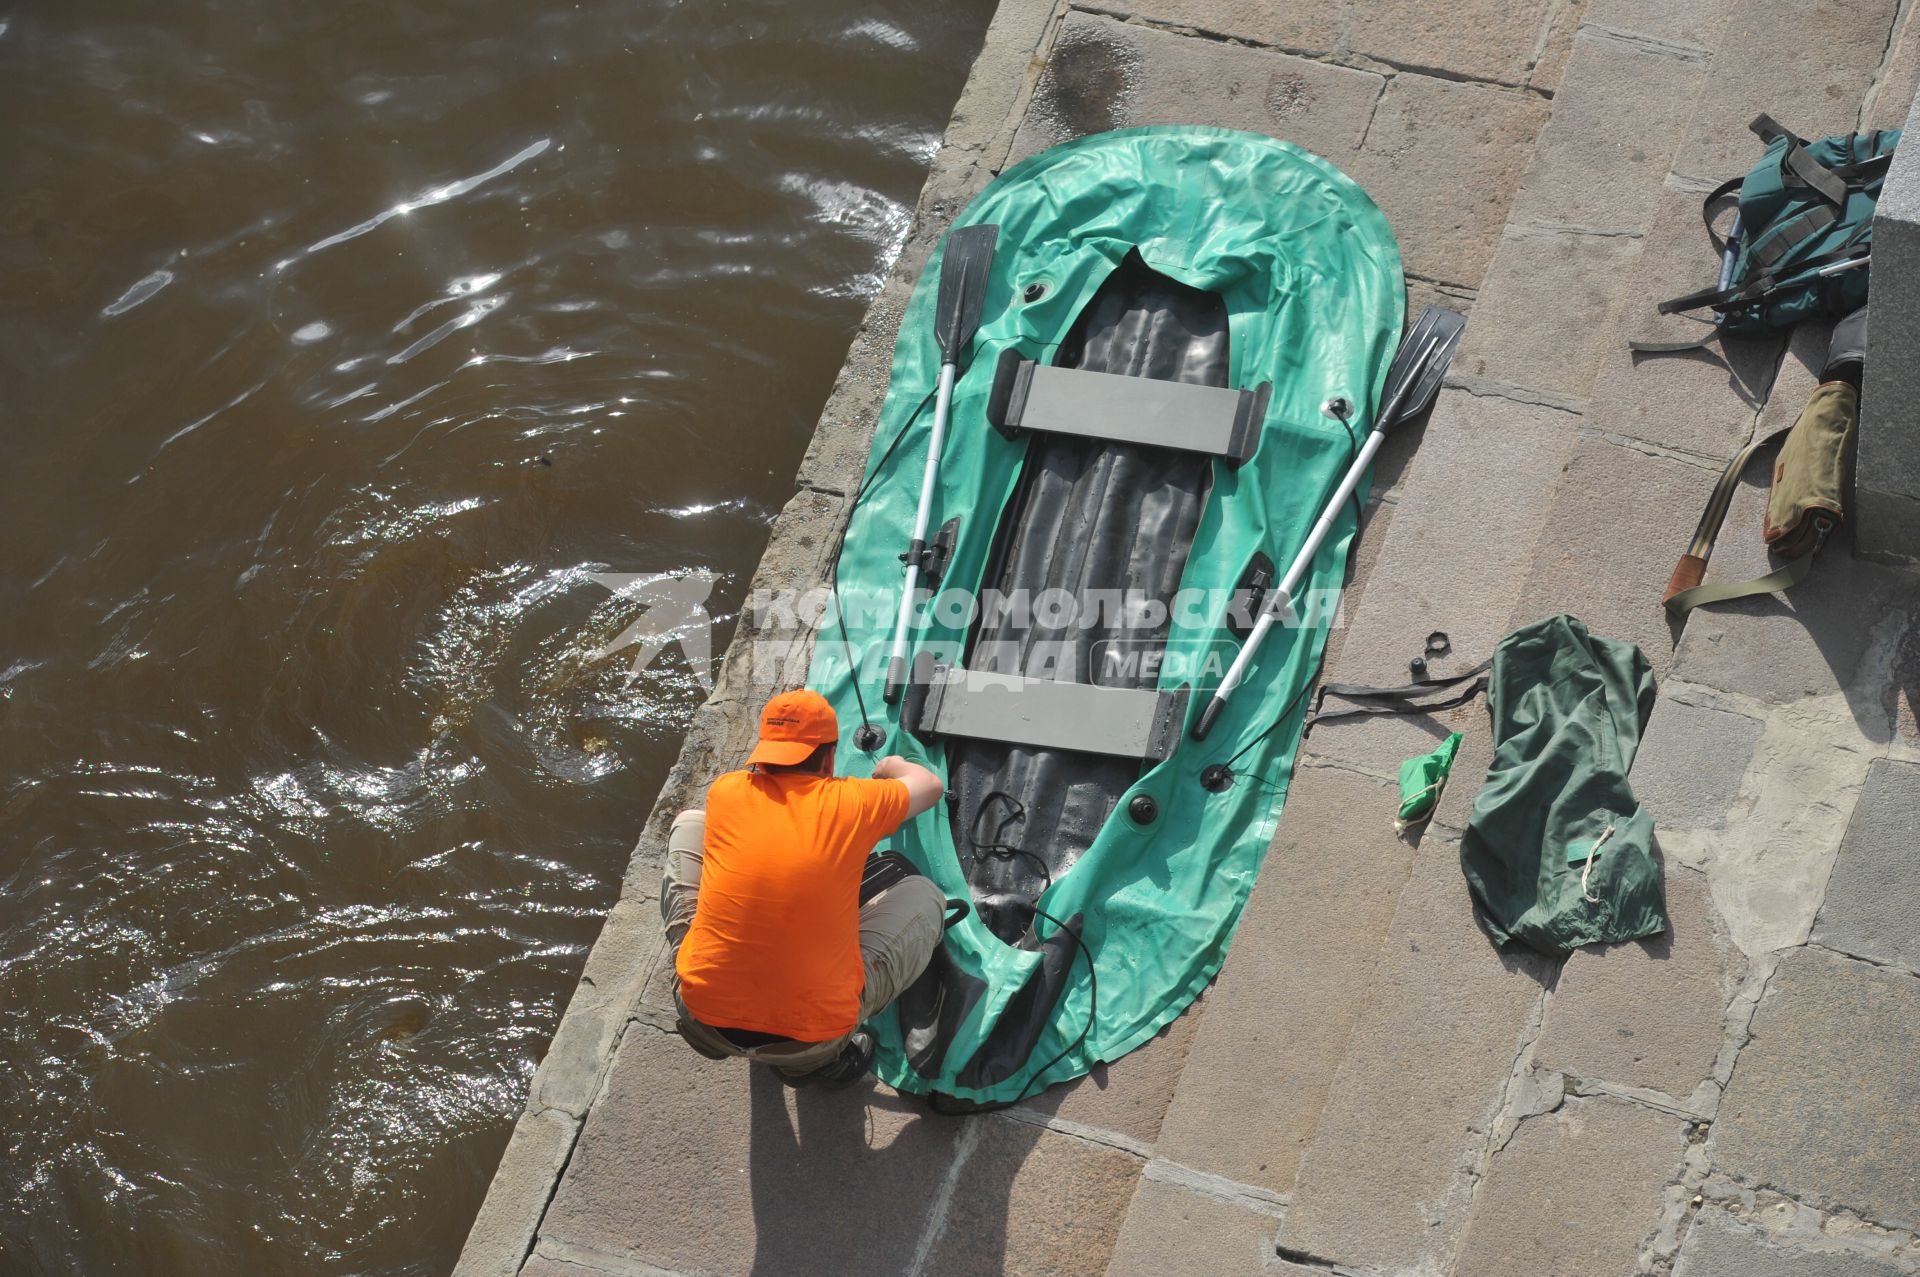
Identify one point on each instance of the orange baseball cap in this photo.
(793, 725)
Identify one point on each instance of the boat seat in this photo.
(1043, 714)
(1215, 420)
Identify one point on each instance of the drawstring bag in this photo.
(1558, 852)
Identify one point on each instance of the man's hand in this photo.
(923, 787)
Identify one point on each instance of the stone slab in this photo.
(1798, 377)
(1893, 97)
(1471, 40)
(536, 1152)
(1808, 63)
(1130, 1095)
(1648, 1014)
(1172, 1231)
(1676, 257)
(1616, 122)
(1549, 69)
(1718, 1245)
(1443, 159)
(1694, 25)
(1453, 559)
(1691, 763)
(1574, 1193)
(1104, 74)
(1620, 518)
(1825, 1099)
(989, 107)
(1834, 629)
(617, 967)
(1872, 908)
(1454, 811)
(1031, 1203)
(1301, 26)
(1694, 401)
(704, 1166)
(1295, 981)
(1889, 458)
(1544, 317)
(1387, 1180)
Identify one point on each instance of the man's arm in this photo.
(923, 787)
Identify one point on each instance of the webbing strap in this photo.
(1724, 487)
(1398, 700)
(1797, 165)
(1760, 287)
(1718, 502)
(1782, 577)
(1783, 237)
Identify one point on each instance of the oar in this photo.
(963, 289)
(1412, 381)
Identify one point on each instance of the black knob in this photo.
(1143, 809)
(868, 738)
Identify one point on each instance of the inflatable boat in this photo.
(1183, 337)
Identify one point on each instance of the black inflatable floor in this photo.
(1088, 516)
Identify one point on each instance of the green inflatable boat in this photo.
(1183, 334)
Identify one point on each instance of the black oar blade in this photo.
(963, 287)
(1414, 378)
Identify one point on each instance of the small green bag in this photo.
(1421, 780)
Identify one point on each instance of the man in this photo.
(776, 957)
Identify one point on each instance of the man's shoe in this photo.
(852, 1064)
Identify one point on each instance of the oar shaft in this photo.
(917, 548)
(1281, 600)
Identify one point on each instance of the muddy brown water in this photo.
(341, 346)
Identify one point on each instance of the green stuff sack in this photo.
(1558, 852)
(1422, 779)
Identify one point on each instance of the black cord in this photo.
(995, 849)
(1274, 726)
(998, 850)
(1093, 1002)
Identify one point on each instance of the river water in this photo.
(342, 347)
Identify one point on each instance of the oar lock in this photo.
(933, 558)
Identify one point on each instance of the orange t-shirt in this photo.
(775, 941)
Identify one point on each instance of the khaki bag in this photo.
(1806, 505)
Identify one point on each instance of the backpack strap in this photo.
(1729, 187)
(1757, 289)
(1783, 577)
(1684, 589)
(1797, 166)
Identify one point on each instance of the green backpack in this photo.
(1801, 244)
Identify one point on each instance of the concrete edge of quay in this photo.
(611, 992)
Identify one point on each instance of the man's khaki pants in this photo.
(899, 930)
